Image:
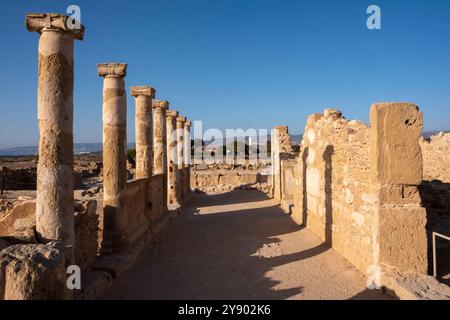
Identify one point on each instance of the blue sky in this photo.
(238, 64)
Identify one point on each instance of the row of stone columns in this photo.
(159, 147)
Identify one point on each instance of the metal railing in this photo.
(435, 235)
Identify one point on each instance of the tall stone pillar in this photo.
(187, 158)
(144, 131)
(396, 173)
(54, 203)
(281, 143)
(160, 149)
(172, 153)
(114, 155)
(180, 158)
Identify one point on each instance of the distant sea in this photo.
(79, 148)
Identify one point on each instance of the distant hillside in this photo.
(78, 148)
(296, 139)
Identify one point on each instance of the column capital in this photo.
(164, 104)
(143, 91)
(172, 114)
(188, 124)
(40, 22)
(181, 119)
(112, 70)
(281, 129)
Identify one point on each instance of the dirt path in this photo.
(239, 245)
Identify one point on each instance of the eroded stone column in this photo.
(172, 154)
(180, 158)
(280, 144)
(187, 157)
(114, 154)
(54, 203)
(144, 131)
(396, 173)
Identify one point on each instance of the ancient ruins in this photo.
(374, 193)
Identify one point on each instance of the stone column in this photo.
(280, 144)
(187, 157)
(180, 158)
(114, 155)
(172, 153)
(160, 150)
(396, 173)
(54, 203)
(160, 136)
(144, 131)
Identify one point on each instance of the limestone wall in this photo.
(135, 206)
(357, 187)
(287, 183)
(334, 186)
(214, 178)
(436, 157)
(17, 226)
(435, 189)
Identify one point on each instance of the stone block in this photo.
(32, 272)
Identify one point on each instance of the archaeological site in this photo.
(352, 210)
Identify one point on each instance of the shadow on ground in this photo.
(220, 254)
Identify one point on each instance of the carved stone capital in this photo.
(112, 70)
(39, 22)
(142, 91)
(181, 119)
(188, 124)
(164, 104)
(172, 114)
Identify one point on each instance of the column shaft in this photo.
(144, 131)
(54, 203)
(172, 153)
(114, 155)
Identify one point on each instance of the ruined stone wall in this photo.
(357, 187)
(436, 157)
(135, 206)
(219, 178)
(435, 187)
(156, 192)
(334, 197)
(17, 226)
(287, 183)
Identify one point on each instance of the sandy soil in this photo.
(239, 245)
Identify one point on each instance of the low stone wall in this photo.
(17, 226)
(135, 206)
(213, 179)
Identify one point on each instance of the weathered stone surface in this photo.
(413, 286)
(172, 155)
(281, 143)
(32, 272)
(114, 155)
(86, 233)
(436, 157)
(144, 130)
(54, 205)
